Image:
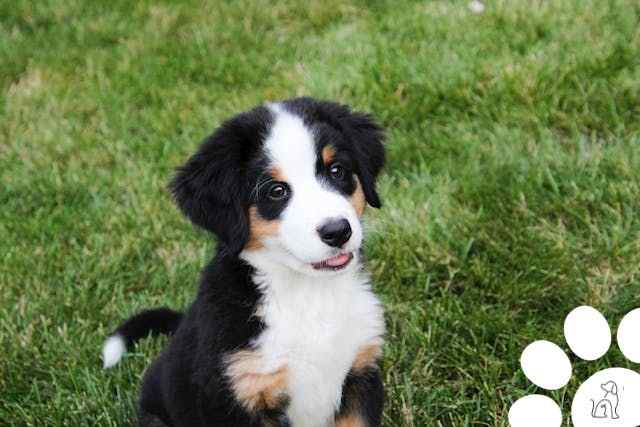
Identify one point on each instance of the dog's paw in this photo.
(608, 397)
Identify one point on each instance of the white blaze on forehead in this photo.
(290, 145)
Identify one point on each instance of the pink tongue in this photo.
(338, 260)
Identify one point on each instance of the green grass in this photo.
(512, 188)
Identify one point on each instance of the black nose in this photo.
(335, 232)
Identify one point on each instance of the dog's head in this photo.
(609, 387)
(287, 182)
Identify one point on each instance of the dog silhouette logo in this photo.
(607, 407)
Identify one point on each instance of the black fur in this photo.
(363, 396)
(186, 385)
(148, 322)
(212, 187)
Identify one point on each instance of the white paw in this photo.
(608, 398)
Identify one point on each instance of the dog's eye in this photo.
(278, 191)
(337, 171)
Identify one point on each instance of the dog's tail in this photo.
(154, 321)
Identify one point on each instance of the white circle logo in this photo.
(608, 398)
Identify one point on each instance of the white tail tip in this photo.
(112, 351)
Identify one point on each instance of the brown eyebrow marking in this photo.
(276, 174)
(328, 153)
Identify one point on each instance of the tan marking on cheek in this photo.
(368, 355)
(357, 199)
(253, 388)
(259, 228)
(350, 420)
(328, 153)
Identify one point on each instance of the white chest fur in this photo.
(315, 327)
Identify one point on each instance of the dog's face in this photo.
(288, 183)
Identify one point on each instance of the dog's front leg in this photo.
(262, 394)
(275, 417)
(362, 399)
(362, 391)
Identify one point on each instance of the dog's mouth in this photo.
(335, 263)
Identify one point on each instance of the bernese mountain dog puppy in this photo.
(285, 329)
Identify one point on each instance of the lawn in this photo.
(511, 193)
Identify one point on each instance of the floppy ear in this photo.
(367, 139)
(210, 188)
(207, 189)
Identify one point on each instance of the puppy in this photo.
(285, 330)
